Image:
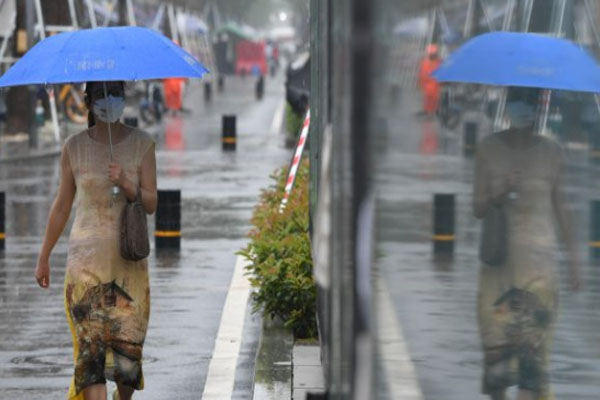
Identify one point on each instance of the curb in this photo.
(308, 380)
(273, 365)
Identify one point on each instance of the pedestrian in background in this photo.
(107, 298)
(173, 88)
(518, 193)
(429, 85)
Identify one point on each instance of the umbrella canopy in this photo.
(522, 59)
(102, 54)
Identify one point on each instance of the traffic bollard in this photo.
(167, 233)
(221, 83)
(2, 224)
(207, 91)
(443, 224)
(595, 230)
(470, 138)
(229, 133)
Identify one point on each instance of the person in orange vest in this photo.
(173, 88)
(429, 86)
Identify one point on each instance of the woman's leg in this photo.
(525, 394)
(125, 392)
(499, 395)
(95, 392)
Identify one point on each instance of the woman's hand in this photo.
(509, 184)
(116, 174)
(42, 273)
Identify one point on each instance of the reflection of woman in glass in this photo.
(520, 171)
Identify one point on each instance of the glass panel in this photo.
(487, 212)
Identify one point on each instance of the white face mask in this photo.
(521, 114)
(109, 109)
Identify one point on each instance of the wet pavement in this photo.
(435, 301)
(188, 288)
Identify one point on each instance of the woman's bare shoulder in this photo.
(76, 138)
(490, 142)
(142, 139)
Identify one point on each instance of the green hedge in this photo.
(293, 122)
(281, 266)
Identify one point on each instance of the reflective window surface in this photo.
(486, 277)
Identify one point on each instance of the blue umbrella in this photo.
(522, 59)
(103, 54)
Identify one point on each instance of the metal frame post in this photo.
(130, 13)
(173, 22)
(73, 13)
(51, 93)
(92, 13)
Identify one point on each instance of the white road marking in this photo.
(221, 371)
(277, 119)
(398, 366)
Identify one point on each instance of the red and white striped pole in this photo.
(296, 161)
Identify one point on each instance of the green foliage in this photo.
(293, 122)
(280, 258)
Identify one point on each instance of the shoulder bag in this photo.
(494, 237)
(135, 244)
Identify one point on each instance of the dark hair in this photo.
(88, 101)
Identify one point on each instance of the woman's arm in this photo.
(480, 192)
(565, 229)
(148, 181)
(485, 192)
(59, 215)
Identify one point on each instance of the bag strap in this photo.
(138, 195)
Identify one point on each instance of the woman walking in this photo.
(107, 298)
(518, 174)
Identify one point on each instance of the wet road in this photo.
(188, 289)
(435, 302)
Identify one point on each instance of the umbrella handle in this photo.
(115, 189)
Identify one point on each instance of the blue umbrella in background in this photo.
(522, 59)
(103, 54)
